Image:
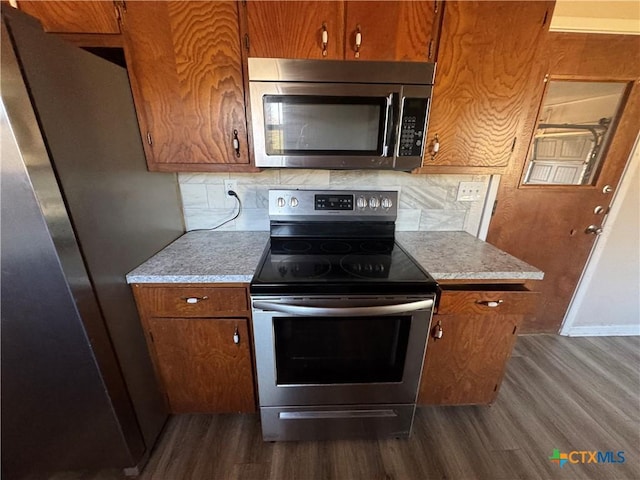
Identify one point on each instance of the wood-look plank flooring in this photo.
(559, 392)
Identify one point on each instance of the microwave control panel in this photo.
(412, 127)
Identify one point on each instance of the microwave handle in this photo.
(387, 147)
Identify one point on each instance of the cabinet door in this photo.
(485, 56)
(74, 16)
(200, 365)
(467, 364)
(293, 29)
(402, 30)
(186, 72)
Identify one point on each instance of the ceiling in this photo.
(597, 16)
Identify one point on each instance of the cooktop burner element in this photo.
(296, 246)
(335, 246)
(302, 267)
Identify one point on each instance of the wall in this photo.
(596, 16)
(606, 301)
(426, 202)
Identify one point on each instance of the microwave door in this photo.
(341, 126)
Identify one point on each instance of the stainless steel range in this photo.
(340, 318)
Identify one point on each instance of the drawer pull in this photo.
(490, 303)
(194, 300)
(236, 336)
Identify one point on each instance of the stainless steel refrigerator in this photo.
(78, 211)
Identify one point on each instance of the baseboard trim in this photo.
(602, 331)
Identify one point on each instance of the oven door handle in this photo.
(306, 311)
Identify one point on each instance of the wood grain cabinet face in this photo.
(74, 16)
(398, 30)
(466, 365)
(186, 73)
(389, 30)
(201, 367)
(284, 29)
(199, 341)
(484, 60)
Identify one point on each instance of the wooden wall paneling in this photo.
(74, 16)
(202, 369)
(293, 29)
(392, 30)
(544, 226)
(187, 73)
(484, 61)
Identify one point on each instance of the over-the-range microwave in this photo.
(339, 114)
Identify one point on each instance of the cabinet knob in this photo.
(490, 303)
(435, 147)
(236, 143)
(193, 300)
(325, 39)
(236, 336)
(358, 41)
(437, 331)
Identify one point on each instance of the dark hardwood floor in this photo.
(569, 394)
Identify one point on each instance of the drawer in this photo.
(194, 301)
(507, 301)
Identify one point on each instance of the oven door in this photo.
(339, 351)
(324, 125)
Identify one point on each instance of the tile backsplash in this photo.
(427, 202)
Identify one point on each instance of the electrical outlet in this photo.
(470, 191)
(230, 185)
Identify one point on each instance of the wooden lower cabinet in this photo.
(465, 366)
(199, 338)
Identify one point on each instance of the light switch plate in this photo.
(470, 191)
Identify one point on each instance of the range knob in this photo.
(361, 202)
(387, 203)
(281, 202)
(293, 202)
(374, 203)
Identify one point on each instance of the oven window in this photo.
(320, 350)
(320, 125)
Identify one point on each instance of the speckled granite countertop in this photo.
(204, 257)
(460, 256)
(214, 257)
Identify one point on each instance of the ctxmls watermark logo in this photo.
(585, 456)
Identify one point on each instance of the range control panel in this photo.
(413, 127)
(337, 204)
(334, 202)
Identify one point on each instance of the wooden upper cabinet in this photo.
(484, 61)
(389, 30)
(400, 30)
(284, 29)
(74, 16)
(186, 73)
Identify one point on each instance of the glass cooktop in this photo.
(327, 266)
